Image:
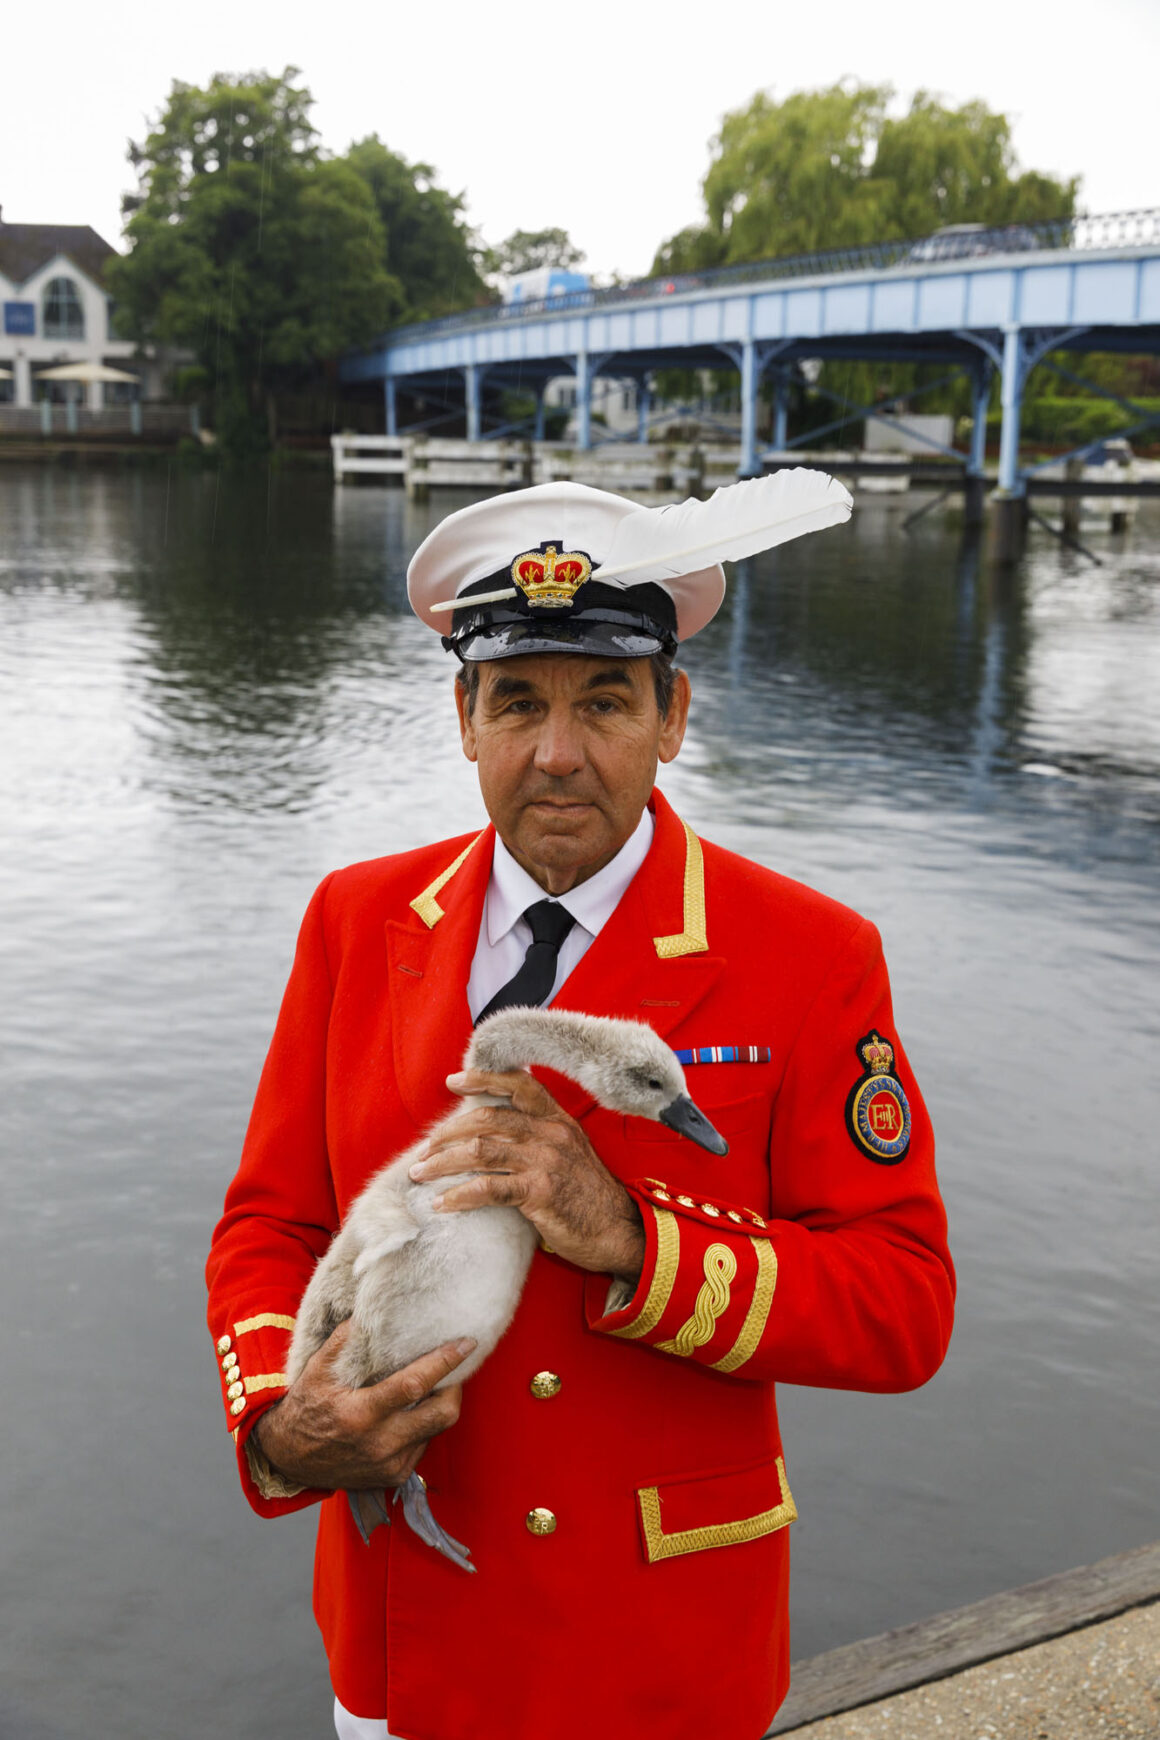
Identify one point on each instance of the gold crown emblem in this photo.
(548, 577)
(877, 1055)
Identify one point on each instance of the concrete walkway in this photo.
(1099, 1683)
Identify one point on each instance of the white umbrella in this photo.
(86, 371)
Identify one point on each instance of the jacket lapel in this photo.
(624, 973)
(429, 958)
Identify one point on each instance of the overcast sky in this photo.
(593, 116)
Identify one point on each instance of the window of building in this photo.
(63, 315)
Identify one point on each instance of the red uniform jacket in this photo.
(813, 1253)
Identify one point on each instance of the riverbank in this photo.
(1069, 1657)
(1100, 1683)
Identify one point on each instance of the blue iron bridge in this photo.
(980, 302)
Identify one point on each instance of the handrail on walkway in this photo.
(1123, 229)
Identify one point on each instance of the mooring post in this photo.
(583, 402)
(780, 410)
(389, 405)
(749, 466)
(471, 393)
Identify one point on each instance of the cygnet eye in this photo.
(657, 1085)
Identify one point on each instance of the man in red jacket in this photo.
(616, 1465)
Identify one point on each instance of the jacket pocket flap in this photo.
(714, 1510)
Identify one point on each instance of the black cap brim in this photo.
(599, 622)
(584, 635)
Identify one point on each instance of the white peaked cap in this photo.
(487, 537)
(678, 548)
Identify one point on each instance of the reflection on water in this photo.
(212, 692)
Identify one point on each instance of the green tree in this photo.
(941, 166)
(528, 250)
(828, 169)
(249, 248)
(430, 249)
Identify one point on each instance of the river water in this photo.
(211, 693)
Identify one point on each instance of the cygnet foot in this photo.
(417, 1512)
(369, 1513)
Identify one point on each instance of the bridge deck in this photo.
(994, 311)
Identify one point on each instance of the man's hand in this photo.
(532, 1156)
(323, 1434)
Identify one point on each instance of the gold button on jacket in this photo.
(544, 1385)
(224, 1344)
(541, 1522)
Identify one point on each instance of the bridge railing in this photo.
(1109, 230)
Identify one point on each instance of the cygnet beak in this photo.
(688, 1120)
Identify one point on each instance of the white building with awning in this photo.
(54, 310)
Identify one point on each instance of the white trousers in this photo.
(349, 1727)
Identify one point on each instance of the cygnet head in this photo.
(624, 1065)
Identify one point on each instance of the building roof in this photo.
(24, 248)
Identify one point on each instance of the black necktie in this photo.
(550, 924)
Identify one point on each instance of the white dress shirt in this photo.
(505, 935)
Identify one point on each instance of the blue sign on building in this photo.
(20, 319)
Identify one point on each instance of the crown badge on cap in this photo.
(547, 577)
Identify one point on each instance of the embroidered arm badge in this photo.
(877, 1110)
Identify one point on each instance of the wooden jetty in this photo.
(935, 1648)
(436, 462)
(422, 463)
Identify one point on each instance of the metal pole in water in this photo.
(780, 410)
(583, 402)
(389, 406)
(471, 390)
(748, 466)
(643, 408)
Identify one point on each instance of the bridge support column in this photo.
(1010, 508)
(1010, 483)
(583, 402)
(643, 408)
(538, 428)
(749, 466)
(780, 410)
(980, 401)
(389, 405)
(471, 392)
(975, 488)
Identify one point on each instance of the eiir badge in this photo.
(877, 1111)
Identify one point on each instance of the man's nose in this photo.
(560, 744)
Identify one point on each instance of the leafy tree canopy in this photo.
(248, 246)
(430, 249)
(829, 169)
(527, 250)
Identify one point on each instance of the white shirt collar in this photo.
(592, 903)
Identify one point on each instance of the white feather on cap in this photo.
(679, 547)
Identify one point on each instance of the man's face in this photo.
(567, 749)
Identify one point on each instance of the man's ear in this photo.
(673, 729)
(466, 724)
